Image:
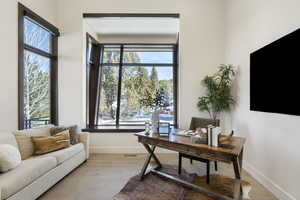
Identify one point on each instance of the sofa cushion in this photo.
(25, 144)
(10, 157)
(28, 171)
(65, 154)
(8, 138)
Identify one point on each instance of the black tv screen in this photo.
(275, 76)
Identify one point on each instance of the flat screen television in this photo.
(275, 76)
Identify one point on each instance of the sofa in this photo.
(36, 174)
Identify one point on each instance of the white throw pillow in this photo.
(10, 157)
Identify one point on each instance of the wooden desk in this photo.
(230, 151)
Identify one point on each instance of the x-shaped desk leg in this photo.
(237, 166)
(148, 159)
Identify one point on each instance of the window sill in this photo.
(114, 129)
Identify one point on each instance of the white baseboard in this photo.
(123, 150)
(268, 183)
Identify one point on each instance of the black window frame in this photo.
(131, 127)
(24, 12)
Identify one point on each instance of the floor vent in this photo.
(130, 155)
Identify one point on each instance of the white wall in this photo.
(272, 150)
(201, 50)
(9, 55)
(138, 38)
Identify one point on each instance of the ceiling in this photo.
(134, 25)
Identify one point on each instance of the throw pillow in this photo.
(25, 145)
(10, 157)
(74, 137)
(23, 138)
(44, 145)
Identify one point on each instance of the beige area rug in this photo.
(154, 187)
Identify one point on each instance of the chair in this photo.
(199, 123)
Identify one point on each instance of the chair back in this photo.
(203, 123)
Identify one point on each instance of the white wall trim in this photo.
(268, 183)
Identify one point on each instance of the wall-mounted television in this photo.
(275, 76)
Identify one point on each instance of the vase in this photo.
(155, 121)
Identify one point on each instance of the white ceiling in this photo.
(133, 25)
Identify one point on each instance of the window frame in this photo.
(135, 127)
(53, 58)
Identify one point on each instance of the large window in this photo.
(37, 70)
(127, 73)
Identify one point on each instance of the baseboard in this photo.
(268, 183)
(124, 150)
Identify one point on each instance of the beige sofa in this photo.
(37, 174)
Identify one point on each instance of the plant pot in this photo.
(155, 121)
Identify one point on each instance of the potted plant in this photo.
(218, 96)
(155, 101)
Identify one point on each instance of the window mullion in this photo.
(38, 51)
(99, 84)
(175, 84)
(54, 82)
(119, 86)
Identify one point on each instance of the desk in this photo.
(230, 151)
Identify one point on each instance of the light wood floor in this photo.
(103, 175)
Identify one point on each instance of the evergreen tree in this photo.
(154, 79)
(135, 79)
(109, 84)
(110, 88)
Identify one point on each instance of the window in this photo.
(127, 72)
(37, 70)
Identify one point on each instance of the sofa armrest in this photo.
(84, 137)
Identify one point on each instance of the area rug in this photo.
(154, 187)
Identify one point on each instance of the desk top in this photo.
(232, 146)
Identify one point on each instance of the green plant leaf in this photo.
(218, 96)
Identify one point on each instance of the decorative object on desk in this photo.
(147, 127)
(202, 132)
(213, 135)
(209, 134)
(184, 133)
(218, 87)
(164, 128)
(196, 139)
(200, 136)
(224, 138)
(155, 121)
(155, 101)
